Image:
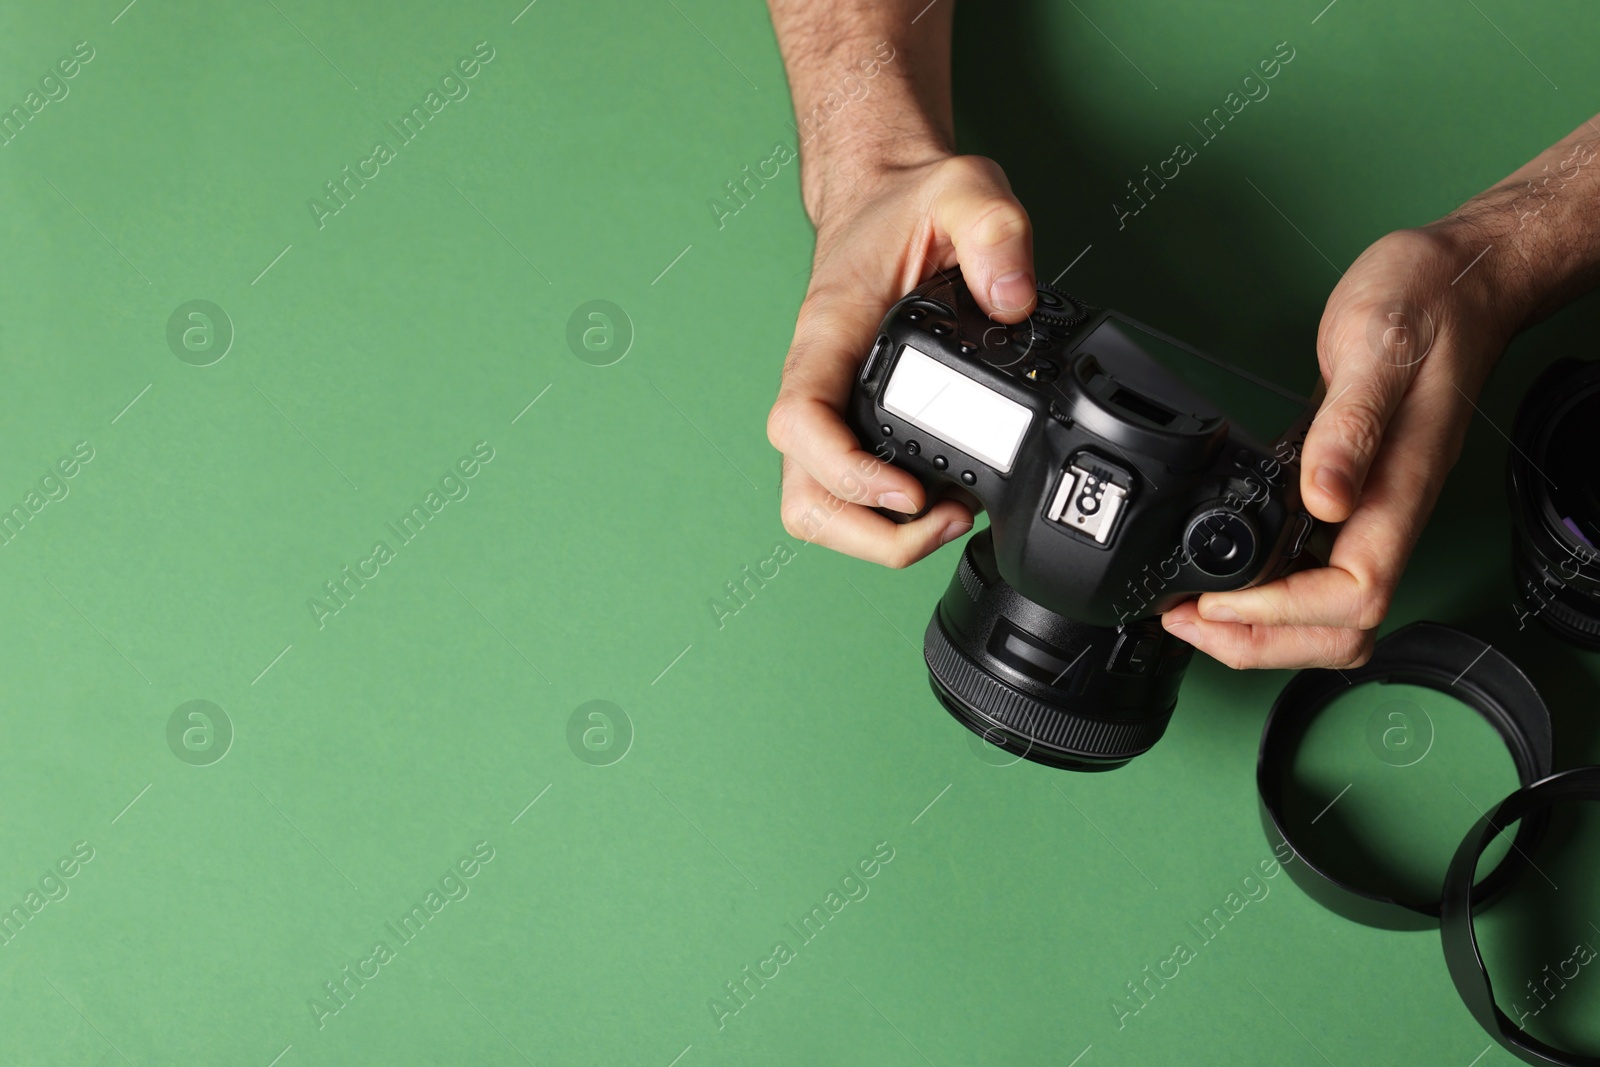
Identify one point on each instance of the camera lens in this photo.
(1041, 685)
(1555, 501)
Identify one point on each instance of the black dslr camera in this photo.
(1116, 488)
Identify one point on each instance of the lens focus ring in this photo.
(989, 703)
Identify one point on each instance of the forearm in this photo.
(871, 88)
(1541, 229)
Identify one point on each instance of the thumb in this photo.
(1364, 390)
(992, 235)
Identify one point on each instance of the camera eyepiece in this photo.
(1555, 501)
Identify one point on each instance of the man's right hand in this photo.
(878, 236)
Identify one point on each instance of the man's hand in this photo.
(1406, 341)
(892, 204)
(1407, 338)
(877, 237)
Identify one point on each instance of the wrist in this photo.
(871, 85)
(847, 166)
(858, 128)
(1541, 229)
(1485, 274)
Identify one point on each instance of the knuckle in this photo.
(1421, 251)
(850, 489)
(1355, 649)
(823, 296)
(797, 356)
(796, 522)
(1371, 608)
(999, 220)
(962, 169)
(826, 301)
(1418, 246)
(900, 556)
(1357, 425)
(1238, 657)
(780, 423)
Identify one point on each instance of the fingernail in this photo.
(1182, 629)
(1011, 292)
(953, 531)
(1335, 484)
(1220, 613)
(897, 502)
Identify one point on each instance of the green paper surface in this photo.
(257, 383)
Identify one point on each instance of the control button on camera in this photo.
(968, 348)
(916, 314)
(1221, 543)
(913, 448)
(879, 347)
(940, 463)
(1297, 536)
(888, 431)
(1057, 308)
(969, 478)
(942, 329)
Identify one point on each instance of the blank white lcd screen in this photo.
(946, 403)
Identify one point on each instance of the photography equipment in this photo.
(1460, 939)
(1555, 501)
(1482, 677)
(1117, 487)
(1423, 654)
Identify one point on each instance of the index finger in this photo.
(832, 336)
(1371, 550)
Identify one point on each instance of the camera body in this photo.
(1115, 491)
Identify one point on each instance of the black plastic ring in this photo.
(1436, 657)
(1455, 925)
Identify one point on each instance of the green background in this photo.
(764, 756)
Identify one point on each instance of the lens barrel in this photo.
(1554, 481)
(1042, 686)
